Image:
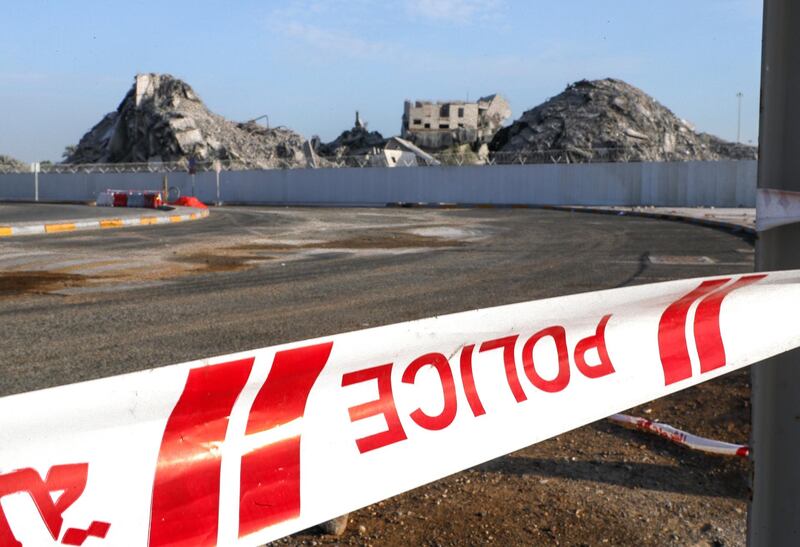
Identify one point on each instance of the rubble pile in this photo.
(609, 120)
(7, 163)
(353, 144)
(162, 119)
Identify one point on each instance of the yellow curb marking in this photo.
(7, 231)
(111, 223)
(66, 227)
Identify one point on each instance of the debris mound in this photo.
(357, 143)
(161, 118)
(609, 120)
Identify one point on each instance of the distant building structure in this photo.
(437, 125)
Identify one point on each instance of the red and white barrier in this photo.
(683, 438)
(150, 199)
(246, 448)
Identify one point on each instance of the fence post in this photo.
(217, 169)
(35, 167)
(774, 515)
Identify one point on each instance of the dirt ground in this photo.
(598, 485)
(209, 257)
(26, 282)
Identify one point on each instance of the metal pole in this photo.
(36, 181)
(774, 515)
(739, 119)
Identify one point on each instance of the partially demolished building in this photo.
(438, 125)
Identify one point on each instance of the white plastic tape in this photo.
(246, 448)
(776, 208)
(683, 438)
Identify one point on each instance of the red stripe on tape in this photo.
(707, 333)
(185, 505)
(672, 345)
(270, 479)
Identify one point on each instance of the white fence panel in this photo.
(665, 184)
(17, 187)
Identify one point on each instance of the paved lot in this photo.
(81, 306)
(249, 277)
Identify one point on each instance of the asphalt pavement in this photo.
(86, 305)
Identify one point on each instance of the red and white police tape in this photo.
(250, 447)
(681, 437)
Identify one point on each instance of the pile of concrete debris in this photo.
(609, 120)
(7, 163)
(358, 147)
(162, 119)
(353, 146)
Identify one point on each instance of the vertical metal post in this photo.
(35, 167)
(217, 169)
(739, 96)
(774, 515)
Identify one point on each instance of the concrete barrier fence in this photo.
(663, 184)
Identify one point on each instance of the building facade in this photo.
(437, 125)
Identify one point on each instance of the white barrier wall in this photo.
(666, 184)
(17, 187)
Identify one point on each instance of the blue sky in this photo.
(309, 64)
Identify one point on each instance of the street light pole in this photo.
(739, 119)
(774, 513)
